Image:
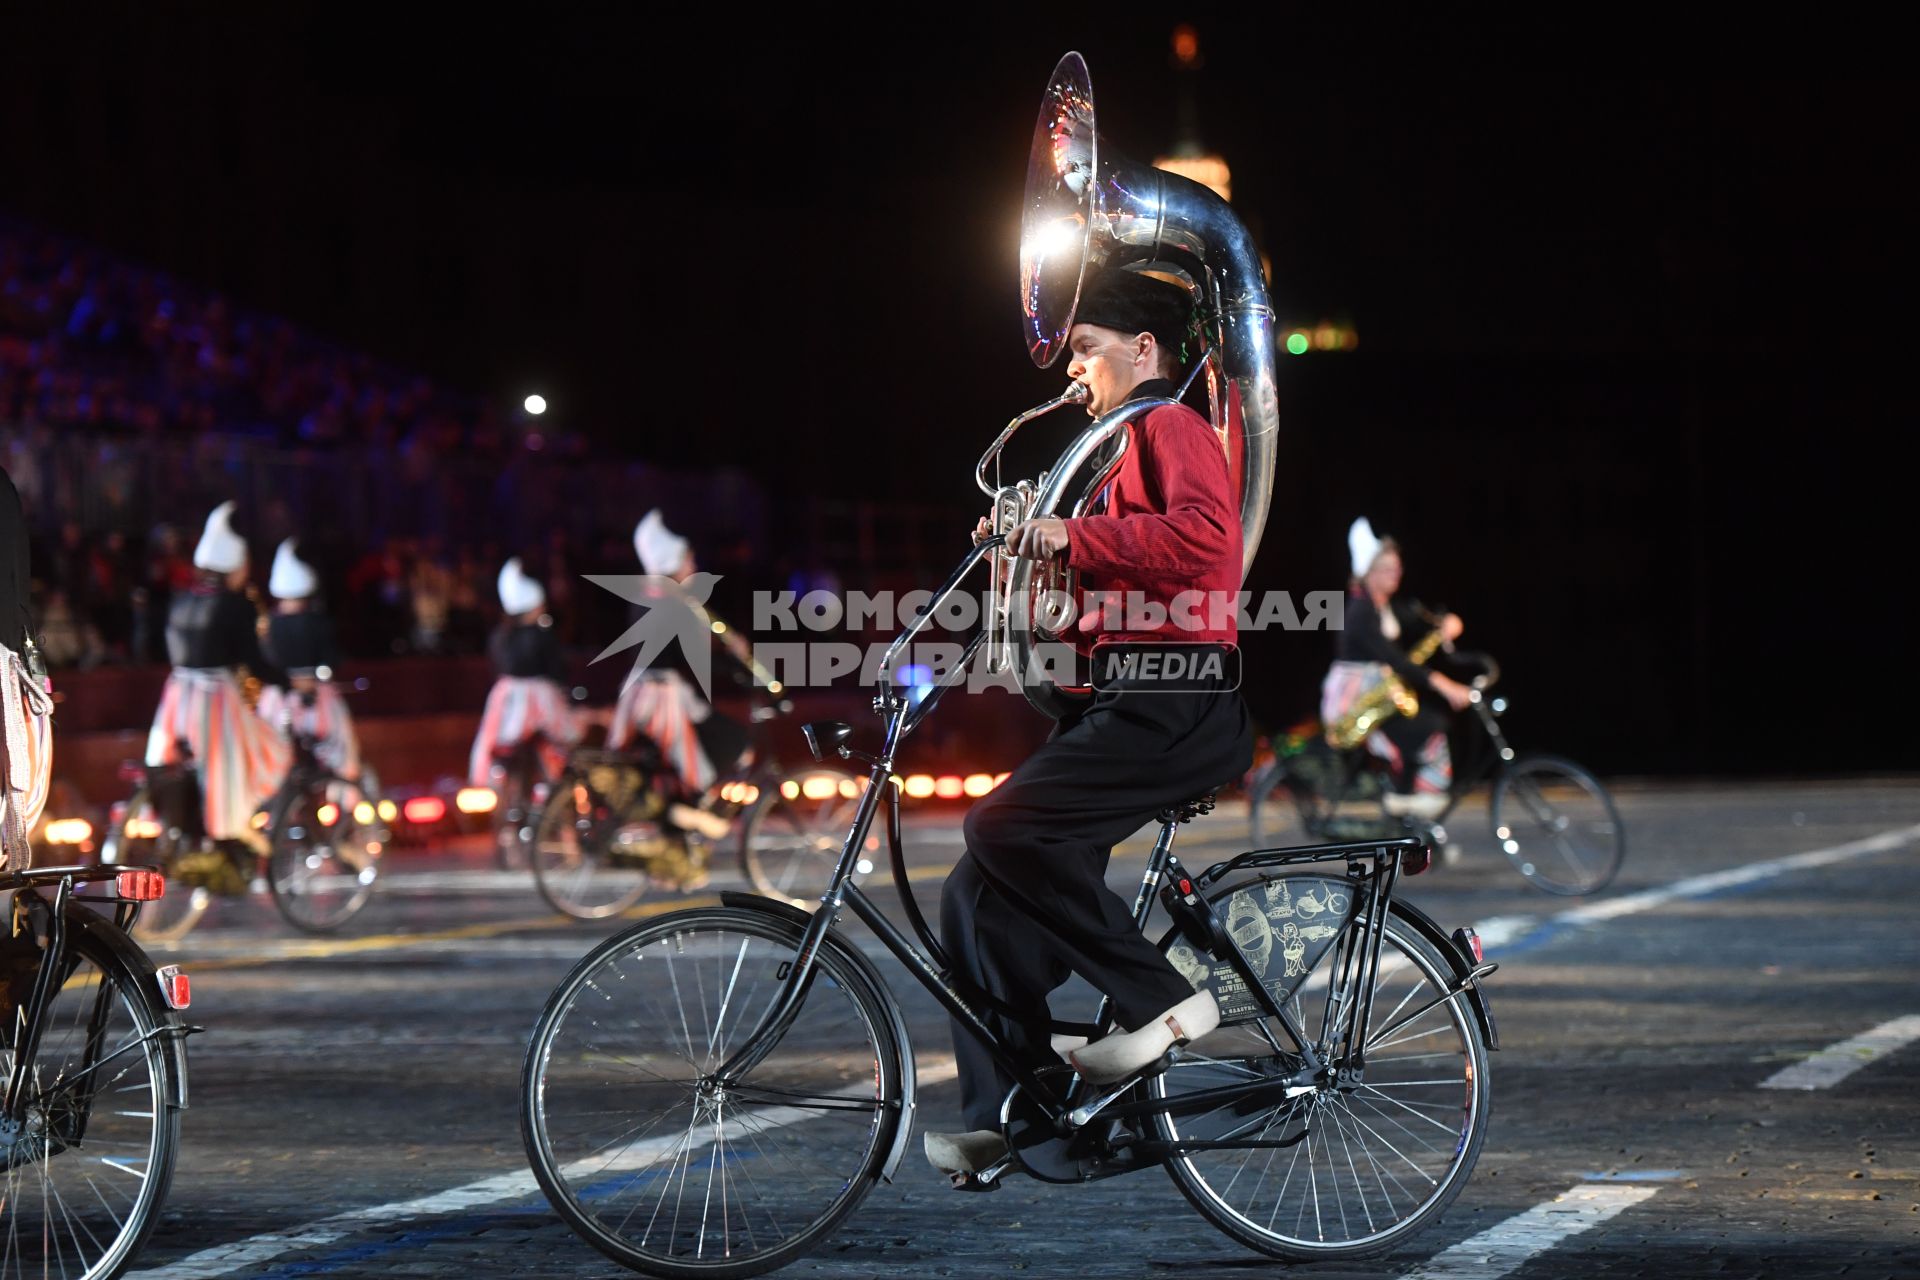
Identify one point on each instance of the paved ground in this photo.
(382, 1068)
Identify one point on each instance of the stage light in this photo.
(536, 405)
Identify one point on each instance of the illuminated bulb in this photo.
(536, 405)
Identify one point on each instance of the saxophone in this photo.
(1388, 698)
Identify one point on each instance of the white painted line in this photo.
(1836, 1062)
(223, 1260)
(1699, 886)
(1498, 931)
(1510, 1245)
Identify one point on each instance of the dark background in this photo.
(1632, 385)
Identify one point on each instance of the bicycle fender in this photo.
(1428, 928)
(128, 951)
(903, 1132)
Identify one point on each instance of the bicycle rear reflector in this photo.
(175, 986)
(1470, 941)
(141, 886)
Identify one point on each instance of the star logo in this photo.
(672, 611)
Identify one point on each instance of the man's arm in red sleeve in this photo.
(1185, 465)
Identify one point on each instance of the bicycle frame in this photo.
(1357, 961)
(29, 1022)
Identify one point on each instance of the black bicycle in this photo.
(326, 839)
(602, 834)
(1553, 819)
(711, 1093)
(95, 1069)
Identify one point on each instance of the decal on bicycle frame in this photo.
(1283, 926)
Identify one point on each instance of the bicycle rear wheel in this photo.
(576, 867)
(652, 1162)
(88, 1162)
(791, 841)
(325, 855)
(1377, 1158)
(1558, 825)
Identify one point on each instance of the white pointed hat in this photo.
(518, 593)
(221, 550)
(1363, 546)
(661, 550)
(292, 577)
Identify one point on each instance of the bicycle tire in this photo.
(1570, 840)
(1342, 1206)
(79, 1159)
(569, 855)
(311, 865)
(790, 844)
(636, 1025)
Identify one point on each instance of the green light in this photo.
(1297, 343)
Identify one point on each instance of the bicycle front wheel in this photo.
(791, 841)
(1558, 825)
(325, 855)
(576, 865)
(88, 1160)
(662, 1167)
(1369, 1161)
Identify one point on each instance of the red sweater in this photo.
(1171, 526)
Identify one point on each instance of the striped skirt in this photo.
(327, 721)
(519, 708)
(241, 758)
(26, 756)
(662, 707)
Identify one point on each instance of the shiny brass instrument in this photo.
(1087, 207)
(1389, 698)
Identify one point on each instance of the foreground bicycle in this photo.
(711, 1093)
(95, 1068)
(1553, 819)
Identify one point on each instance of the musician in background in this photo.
(213, 640)
(659, 703)
(1028, 904)
(529, 696)
(1379, 631)
(300, 646)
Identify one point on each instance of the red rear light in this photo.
(175, 986)
(141, 886)
(1473, 942)
(424, 811)
(132, 771)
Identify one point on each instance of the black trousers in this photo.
(1411, 735)
(1028, 903)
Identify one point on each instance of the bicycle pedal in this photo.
(972, 1182)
